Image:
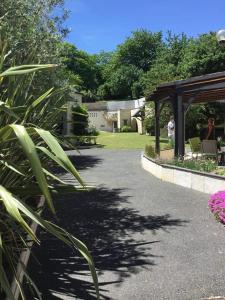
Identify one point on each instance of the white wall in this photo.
(124, 114)
(97, 119)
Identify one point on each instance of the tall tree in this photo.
(31, 24)
(139, 50)
(82, 64)
(202, 55)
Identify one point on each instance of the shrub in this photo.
(29, 151)
(126, 128)
(150, 151)
(204, 165)
(217, 205)
(92, 131)
(80, 120)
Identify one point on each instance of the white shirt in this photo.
(170, 128)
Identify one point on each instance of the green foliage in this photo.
(150, 151)
(126, 128)
(123, 72)
(149, 121)
(80, 120)
(120, 83)
(139, 50)
(81, 64)
(31, 24)
(166, 64)
(28, 153)
(93, 131)
(202, 55)
(204, 165)
(141, 63)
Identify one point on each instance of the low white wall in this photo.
(200, 182)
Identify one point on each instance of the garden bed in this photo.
(196, 180)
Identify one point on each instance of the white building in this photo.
(113, 115)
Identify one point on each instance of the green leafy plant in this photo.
(80, 120)
(203, 165)
(150, 151)
(126, 128)
(93, 131)
(28, 152)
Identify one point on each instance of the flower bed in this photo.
(217, 205)
(197, 180)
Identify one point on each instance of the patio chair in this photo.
(195, 144)
(209, 149)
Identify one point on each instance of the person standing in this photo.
(171, 129)
(210, 135)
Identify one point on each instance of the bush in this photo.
(28, 153)
(80, 120)
(150, 151)
(126, 128)
(217, 205)
(92, 131)
(204, 165)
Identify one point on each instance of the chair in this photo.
(195, 144)
(209, 148)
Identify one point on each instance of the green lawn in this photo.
(130, 140)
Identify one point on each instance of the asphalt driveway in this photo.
(150, 240)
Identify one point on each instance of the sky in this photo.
(97, 25)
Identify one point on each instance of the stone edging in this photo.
(203, 182)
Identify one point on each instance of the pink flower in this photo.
(217, 205)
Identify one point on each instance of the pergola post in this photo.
(179, 118)
(157, 127)
(180, 127)
(175, 113)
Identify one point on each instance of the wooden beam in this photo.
(175, 113)
(180, 127)
(157, 127)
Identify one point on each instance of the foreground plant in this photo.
(27, 155)
(217, 205)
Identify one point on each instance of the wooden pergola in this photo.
(181, 94)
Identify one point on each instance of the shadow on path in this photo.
(81, 162)
(111, 229)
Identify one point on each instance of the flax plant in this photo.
(28, 149)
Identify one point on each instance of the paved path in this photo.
(150, 240)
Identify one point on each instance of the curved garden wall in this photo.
(203, 182)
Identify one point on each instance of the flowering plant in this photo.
(217, 205)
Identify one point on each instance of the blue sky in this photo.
(103, 24)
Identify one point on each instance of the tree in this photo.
(166, 65)
(122, 70)
(30, 24)
(202, 55)
(119, 85)
(139, 50)
(81, 64)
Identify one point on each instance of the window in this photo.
(125, 122)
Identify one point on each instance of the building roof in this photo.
(206, 88)
(115, 105)
(96, 106)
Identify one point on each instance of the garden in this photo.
(32, 102)
(38, 71)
